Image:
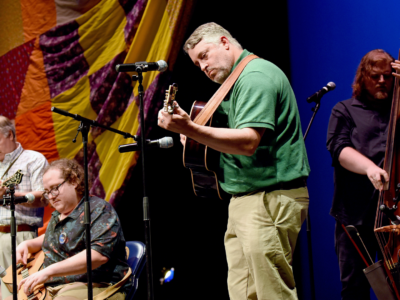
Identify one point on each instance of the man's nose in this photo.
(203, 66)
(381, 78)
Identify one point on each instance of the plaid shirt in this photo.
(32, 164)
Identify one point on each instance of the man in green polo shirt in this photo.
(263, 164)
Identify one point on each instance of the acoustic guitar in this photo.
(201, 160)
(203, 163)
(35, 263)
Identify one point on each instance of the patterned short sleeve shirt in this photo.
(66, 238)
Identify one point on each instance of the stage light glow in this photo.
(168, 275)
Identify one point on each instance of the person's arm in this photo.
(254, 102)
(36, 177)
(342, 151)
(72, 266)
(354, 161)
(227, 140)
(29, 246)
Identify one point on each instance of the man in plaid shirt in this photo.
(28, 216)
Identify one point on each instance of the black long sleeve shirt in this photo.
(353, 123)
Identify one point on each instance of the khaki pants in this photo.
(78, 291)
(259, 243)
(5, 252)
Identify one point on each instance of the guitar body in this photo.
(35, 263)
(203, 163)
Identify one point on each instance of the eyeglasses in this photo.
(54, 191)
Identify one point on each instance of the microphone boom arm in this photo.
(92, 123)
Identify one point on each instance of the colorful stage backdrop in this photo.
(63, 55)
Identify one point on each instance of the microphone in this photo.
(142, 66)
(165, 142)
(28, 198)
(318, 95)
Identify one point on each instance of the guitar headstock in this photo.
(169, 98)
(15, 179)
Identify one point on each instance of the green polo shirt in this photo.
(262, 97)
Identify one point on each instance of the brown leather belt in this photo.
(290, 185)
(22, 227)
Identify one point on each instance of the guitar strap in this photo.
(111, 290)
(212, 104)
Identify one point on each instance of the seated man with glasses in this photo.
(63, 244)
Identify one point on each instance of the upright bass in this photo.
(388, 236)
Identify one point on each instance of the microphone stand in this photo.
(146, 203)
(84, 128)
(11, 191)
(315, 110)
(308, 220)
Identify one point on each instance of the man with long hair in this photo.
(356, 139)
(263, 164)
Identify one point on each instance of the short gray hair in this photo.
(211, 33)
(6, 125)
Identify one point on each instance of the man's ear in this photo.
(74, 183)
(225, 41)
(11, 135)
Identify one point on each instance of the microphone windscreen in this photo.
(331, 86)
(30, 198)
(166, 142)
(162, 65)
